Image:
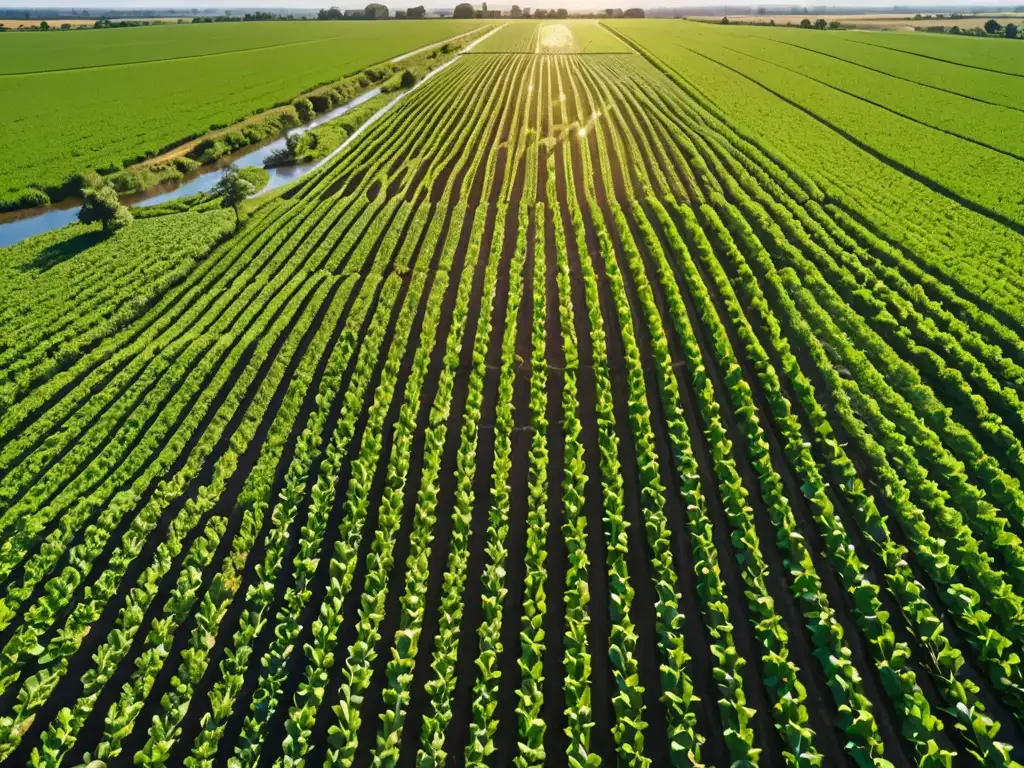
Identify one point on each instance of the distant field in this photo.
(91, 100)
(552, 37)
(15, 23)
(889, 21)
(930, 61)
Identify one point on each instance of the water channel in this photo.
(18, 225)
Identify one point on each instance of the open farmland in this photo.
(106, 98)
(657, 408)
(562, 36)
(58, 21)
(903, 22)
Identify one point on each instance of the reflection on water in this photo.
(22, 224)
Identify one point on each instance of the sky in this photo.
(570, 4)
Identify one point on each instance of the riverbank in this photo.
(19, 225)
(174, 161)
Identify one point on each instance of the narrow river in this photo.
(16, 226)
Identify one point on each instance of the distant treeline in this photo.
(467, 11)
(258, 16)
(991, 28)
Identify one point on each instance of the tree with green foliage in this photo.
(464, 11)
(1010, 30)
(821, 24)
(101, 204)
(805, 24)
(376, 11)
(834, 24)
(416, 12)
(992, 27)
(634, 13)
(233, 189)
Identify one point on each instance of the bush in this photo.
(408, 79)
(323, 101)
(237, 139)
(288, 118)
(80, 182)
(24, 198)
(392, 84)
(258, 177)
(304, 109)
(208, 151)
(186, 164)
(130, 182)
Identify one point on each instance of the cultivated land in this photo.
(58, 21)
(646, 409)
(893, 21)
(106, 98)
(552, 37)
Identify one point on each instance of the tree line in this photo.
(467, 11)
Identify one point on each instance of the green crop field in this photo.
(658, 408)
(103, 98)
(561, 36)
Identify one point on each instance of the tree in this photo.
(954, 30)
(516, 12)
(540, 13)
(806, 23)
(376, 11)
(634, 13)
(1010, 30)
(408, 79)
(821, 24)
(233, 189)
(417, 12)
(331, 14)
(725, 19)
(561, 13)
(992, 27)
(834, 24)
(101, 204)
(464, 11)
(44, 25)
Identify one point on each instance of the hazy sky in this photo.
(571, 4)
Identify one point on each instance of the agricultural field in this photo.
(161, 85)
(903, 22)
(646, 409)
(552, 37)
(58, 21)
